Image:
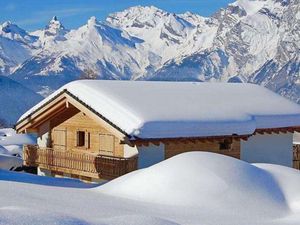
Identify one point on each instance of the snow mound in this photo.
(288, 180)
(215, 184)
(26, 178)
(208, 180)
(9, 137)
(17, 216)
(9, 162)
(137, 220)
(17, 139)
(3, 150)
(4, 132)
(11, 148)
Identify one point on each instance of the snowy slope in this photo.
(188, 189)
(165, 34)
(109, 52)
(254, 41)
(15, 99)
(16, 46)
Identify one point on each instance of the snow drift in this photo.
(11, 148)
(196, 188)
(208, 180)
(10, 162)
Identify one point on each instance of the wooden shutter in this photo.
(59, 139)
(107, 144)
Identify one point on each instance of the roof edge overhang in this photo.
(26, 122)
(156, 141)
(277, 130)
(262, 131)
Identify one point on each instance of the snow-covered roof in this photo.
(147, 109)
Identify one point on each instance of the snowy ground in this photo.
(193, 188)
(11, 148)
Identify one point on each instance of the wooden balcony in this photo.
(76, 163)
(296, 156)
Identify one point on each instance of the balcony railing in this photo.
(88, 164)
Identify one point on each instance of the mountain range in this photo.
(255, 41)
(15, 99)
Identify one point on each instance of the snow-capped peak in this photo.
(144, 42)
(9, 27)
(253, 6)
(13, 32)
(52, 33)
(55, 27)
(6, 24)
(92, 21)
(98, 32)
(165, 34)
(139, 11)
(150, 22)
(145, 17)
(54, 18)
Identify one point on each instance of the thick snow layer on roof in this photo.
(184, 109)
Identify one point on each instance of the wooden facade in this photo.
(226, 146)
(97, 139)
(73, 141)
(296, 156)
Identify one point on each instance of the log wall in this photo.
(64, 135)
(296, 156)
(175, 148)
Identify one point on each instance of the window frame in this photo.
(225, 145)
(78, 139)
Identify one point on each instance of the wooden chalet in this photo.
(99, 130)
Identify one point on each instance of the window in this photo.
(80, 139)
(226, 144)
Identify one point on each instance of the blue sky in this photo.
(35, 14)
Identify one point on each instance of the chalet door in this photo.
(60, 139)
